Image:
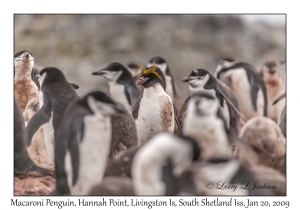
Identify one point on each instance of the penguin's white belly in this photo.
(169, 89)
(117, 92)
(93, 153)
(209, 133)
(37, 151)
(49, 139)
(241, 87)
(155, 114)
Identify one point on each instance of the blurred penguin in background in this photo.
(275, 87)
(24, 87)
(282, 117)
(247, 84)
(266, 139)
(121, 83)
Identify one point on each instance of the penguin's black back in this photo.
(255, 81)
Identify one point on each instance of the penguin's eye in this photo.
(200, 78)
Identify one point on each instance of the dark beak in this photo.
(186, 79)
(273, 70)
(99, 72)
(141, 80)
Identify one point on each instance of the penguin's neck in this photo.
(22, 73)
(155, 89)
(197, 89)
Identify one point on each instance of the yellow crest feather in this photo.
(149, 70)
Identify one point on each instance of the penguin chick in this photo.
(113, 186)
(170, 84)
(247, 84)
(121, 84)
(120, 164)
(153, 112)
(56, 93)
(266, 139)
(83, 143)
(202, 80)
(37, 150)
(22, 161)
(24, 87)
(275, 87)
(158, 162)
(125, 134)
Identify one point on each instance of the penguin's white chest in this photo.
(155, 114)
(117, 92)
(169, 87)
(93, 153)
(209, 132)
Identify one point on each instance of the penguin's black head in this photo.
(50, 75)
(150, 76)
(131, 67)
(23, 60)
(269, 67)
(205, 104)
(159, 62)
(113, 72)
(224, 63)
(198, 78)
(23, 53)
(99, 102)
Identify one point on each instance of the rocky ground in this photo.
(31, 185)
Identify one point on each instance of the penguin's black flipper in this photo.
(40, 118)
(135, 110)
(279, 98)
(74, 151)
(231, 104)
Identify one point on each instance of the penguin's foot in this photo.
(31, 169)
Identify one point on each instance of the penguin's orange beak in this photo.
(141, 80)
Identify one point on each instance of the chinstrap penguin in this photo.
(247, 84)
(83, 143)
(202, 80)
(275, 87)
(56, 93)
(153, 112)
(24, 87)
(159, 163)
(205, 123)
(121, 83)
